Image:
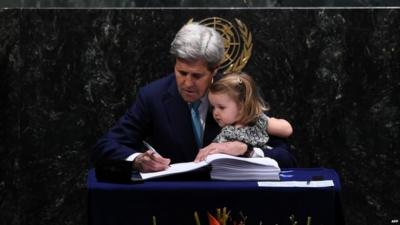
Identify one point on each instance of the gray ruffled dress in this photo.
(255, 135)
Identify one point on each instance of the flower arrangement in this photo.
(223, 217)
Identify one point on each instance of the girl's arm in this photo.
(279, 127)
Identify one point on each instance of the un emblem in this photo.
(237, 42)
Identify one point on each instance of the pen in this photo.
(150, 147)
(315, 178)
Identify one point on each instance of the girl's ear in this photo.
(239, 116)
(241, 108)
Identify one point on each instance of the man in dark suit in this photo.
(162, 111)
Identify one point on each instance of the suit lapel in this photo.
(180, 123)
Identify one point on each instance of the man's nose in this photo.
(189, 81)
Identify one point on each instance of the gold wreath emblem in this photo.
(237, 42)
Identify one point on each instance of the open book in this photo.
(223, 167)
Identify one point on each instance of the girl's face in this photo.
(225, 109)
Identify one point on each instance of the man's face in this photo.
(193, 78)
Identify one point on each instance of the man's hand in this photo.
(231, 148)
(150, 161)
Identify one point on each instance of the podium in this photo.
(174, 202)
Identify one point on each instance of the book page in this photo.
(174, 169)
(227, 167)
(265, 161)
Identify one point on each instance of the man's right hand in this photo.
(151, 161)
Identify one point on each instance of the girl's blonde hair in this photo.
(242, 89)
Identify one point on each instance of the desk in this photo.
(174, 202)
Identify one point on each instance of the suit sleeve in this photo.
(125, 137)
(281, 152)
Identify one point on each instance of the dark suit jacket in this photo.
(160, 114)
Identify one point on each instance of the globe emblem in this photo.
(237, 42)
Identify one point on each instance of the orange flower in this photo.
(212, 220)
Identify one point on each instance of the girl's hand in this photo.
(234, 148)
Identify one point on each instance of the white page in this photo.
(311, 184)
(265, 161)
(174, 169)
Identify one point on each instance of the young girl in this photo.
(239, 110)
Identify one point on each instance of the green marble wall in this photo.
(68, 74)
(195, 3)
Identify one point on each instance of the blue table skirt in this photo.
(174, 202)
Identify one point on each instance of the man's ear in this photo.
(217, 74)
(215, 71)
